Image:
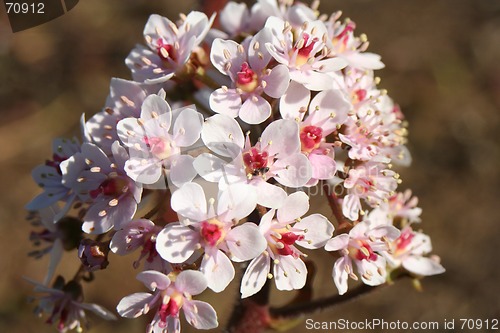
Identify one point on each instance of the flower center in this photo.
(247, 79)
(113, 186)
(359, 96)
(361, 251)
(160, 147)
(212, 232)
(404, 240)
(255, 162)
(55, 162)
(170, 309)
(310, 138)
(304, 48)
(165, 51)
(343, 36)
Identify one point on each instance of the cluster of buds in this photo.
(208, 158)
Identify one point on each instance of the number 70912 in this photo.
(25, 8)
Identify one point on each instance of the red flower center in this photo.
(112, 187)
(284, 245)
(247, 79)
(256, 161)
(364, 251)
(310, 138)
(210, 232)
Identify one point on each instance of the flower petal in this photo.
(296, 98)
(290, 273)
(187, 127)
(255, 276)
(277, 82)
(176, 243)
(319, 231)
(422, 266)
(255, 110)
(295, 206)
(218, 270)
(132, 306)
(190, 281)
(201, 315)
(190, 202)
(227, 102)
(245, 241)
(154, 280)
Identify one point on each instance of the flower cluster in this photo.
(206, 162)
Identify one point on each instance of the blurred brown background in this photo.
(443, 67)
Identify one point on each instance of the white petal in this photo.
(422, 266)
(340, 275)
(293, 171)
(323, 166)
(370, 271)
(277, 82)
(328, 109)
(223, 135)
(259, 58)
(245, 241)
(365, 60)
(190, 201)
(187, 127)
(144, 171)
(312, 80)
(225, 102)
(221, 48)
(319, 231)
(281, 137)
(233, 16)
(153, 106)
(331, 64)
(255, 276)
(237, 201)
(55, 257)
(297, 97)
(290, 273)
(337, 243)
(154, 280)
(295, 206)
(218, 270)
(351, 207)
(176, 243)
(201, 315)
(132, 306)
(210, 167)
(255, 110)
(192, 282)
(269, 195)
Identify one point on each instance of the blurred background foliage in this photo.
(442, 66)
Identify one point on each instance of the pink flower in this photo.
(246, 65)
(171, 294)
(102, 181)
(276, 155)
(409, 251)
(155, 141)
(141, 234)
(327, 112)
(282, 235)
(306, 53)
(169, 47)
(64, 304)
(213, 230)
(370, 182)
(349, 47)
(363, 246)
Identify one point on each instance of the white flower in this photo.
(276, 155)
(214, 230)
(246, 65)
(170, 47)
(409, 251)
(361, 246)
(371, 182)
(282, 235)
(102, 180)
(155, 141)
(171, 294)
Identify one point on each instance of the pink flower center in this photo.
(404, 240)
(305, 51)
(363, 251)
(284, 245)
(170, 309)
(165, 51)
(256, 161)
(343, 36)
(359, 95)
(247, 79)
(159, 146)
(112, 187)
(310, 138)
(211, 232)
